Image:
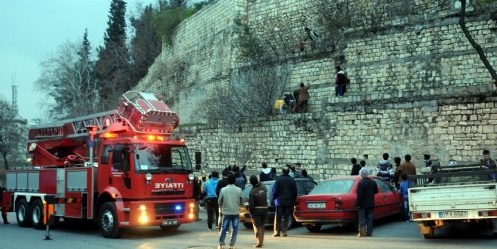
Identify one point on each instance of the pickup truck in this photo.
(458, 195)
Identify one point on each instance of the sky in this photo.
(31, 30)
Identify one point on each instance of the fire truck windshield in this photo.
(161, 158)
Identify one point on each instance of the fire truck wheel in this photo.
(37, 214)
(107, 221)
(22, 213)
(170, 228)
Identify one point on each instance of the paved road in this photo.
(387, 234)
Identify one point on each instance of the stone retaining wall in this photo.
(415, 89)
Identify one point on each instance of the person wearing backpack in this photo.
(265, 173)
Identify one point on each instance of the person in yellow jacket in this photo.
(279, 105)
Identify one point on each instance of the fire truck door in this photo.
(120, 168)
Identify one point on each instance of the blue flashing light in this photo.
(178, 208)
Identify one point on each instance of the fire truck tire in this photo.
(107, 221)
(37, 214)
(170, 228)
(22, 213)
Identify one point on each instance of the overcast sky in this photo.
(31, 30)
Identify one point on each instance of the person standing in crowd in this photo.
(264, 175)
(406, 167)
(211, 199)
(341, 82)
(427, 159)
(230, 200)
(273, 174)
(258, 209)
(241, 179)
(366, 190)
(197, 194)
(396, 175)
(362, 163)
(284, 195)
(304, 97)
(488, 162)
(305, 175)
(384, 169)
(355, 167)
(297, 171)
(221, 184)
(404, 188)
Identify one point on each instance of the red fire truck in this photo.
(121, 168)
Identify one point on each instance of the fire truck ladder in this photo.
(71, 128)
(142, 112)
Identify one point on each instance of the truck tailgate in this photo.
(453, 197)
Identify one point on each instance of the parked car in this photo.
(304, 186)
(333, 201)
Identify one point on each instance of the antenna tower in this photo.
(14, 97)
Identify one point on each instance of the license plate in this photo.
(453, 214)
(169, 222)
(316, 205)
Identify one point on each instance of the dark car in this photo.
(304, 186)
(333, 202)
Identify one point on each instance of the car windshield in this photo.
(333, 187)
(161, 158)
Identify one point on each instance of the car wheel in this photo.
(37, 214)
(170, 228)
(313, 227)
(426, 230)
(430, 234)
(22, 213)
(248, 225)
(107, 221)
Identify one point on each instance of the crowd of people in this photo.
(222, 199)
(397, 175)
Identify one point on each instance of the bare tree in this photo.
(67, 77)
(268, 51)
(250, 92)
(476, 46)
(12, 135)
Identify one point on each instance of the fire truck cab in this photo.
(121, 168)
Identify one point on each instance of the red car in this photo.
(332, 202)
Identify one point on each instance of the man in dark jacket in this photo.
(284, 195)
(221, 184)
(355, 167)
(366, 190)
(258, 209)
